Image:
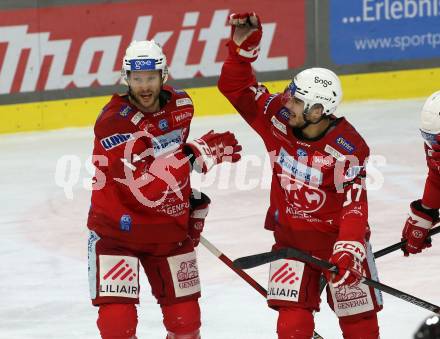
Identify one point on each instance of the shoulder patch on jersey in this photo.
(334, 153)
(345, 144)
(183, 102)
(179, 91)
(125, 110)
(137, 118)
(283, 114)
(279, 125)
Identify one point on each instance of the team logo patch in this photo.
(115, 140)
(118, 276)
(163, 124)
(350, 300)
(301, 196)
(285, 280)
(185, 274)
(183, 102)
(345, 144)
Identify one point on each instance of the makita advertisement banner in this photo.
(79, 46)
(366, 31)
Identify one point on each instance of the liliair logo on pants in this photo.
(285, 280)
(121, 270)
(118, 276)
(285, 274)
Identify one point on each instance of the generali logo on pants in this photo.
(118, 276)
(46, 49)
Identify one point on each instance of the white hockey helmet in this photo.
(430, 118)
(146, 55)
(318, 86)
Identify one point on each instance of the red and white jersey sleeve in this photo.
(141, 188)
(238, 83)
(431, 194)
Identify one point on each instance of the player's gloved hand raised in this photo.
(213, 148)
(246, 35)
(348, 257)
(199, 207)
(416, 228)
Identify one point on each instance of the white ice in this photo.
(43, 246)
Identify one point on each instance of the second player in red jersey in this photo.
(424, 212)
(318, 198)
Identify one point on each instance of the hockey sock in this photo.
(360, 328)
(295, 323)
(182, 320)
(117, 321)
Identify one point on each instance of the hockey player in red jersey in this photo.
(318, 198)
(143, 211)
(424, 213)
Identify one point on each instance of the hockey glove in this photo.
(348, 257)
(199, 207)
(213, 148)
(246, 35)
(416, 228)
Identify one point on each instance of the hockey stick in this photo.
(246, 277)
(259, 259)
(295, 253)
(267, 257)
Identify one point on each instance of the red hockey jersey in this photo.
(431, 195)
(142, 187)
(318, 190)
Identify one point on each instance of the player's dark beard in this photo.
(298, 131)
(164, 97)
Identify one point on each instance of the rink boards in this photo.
(209, 101)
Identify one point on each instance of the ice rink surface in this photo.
(43, 246)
